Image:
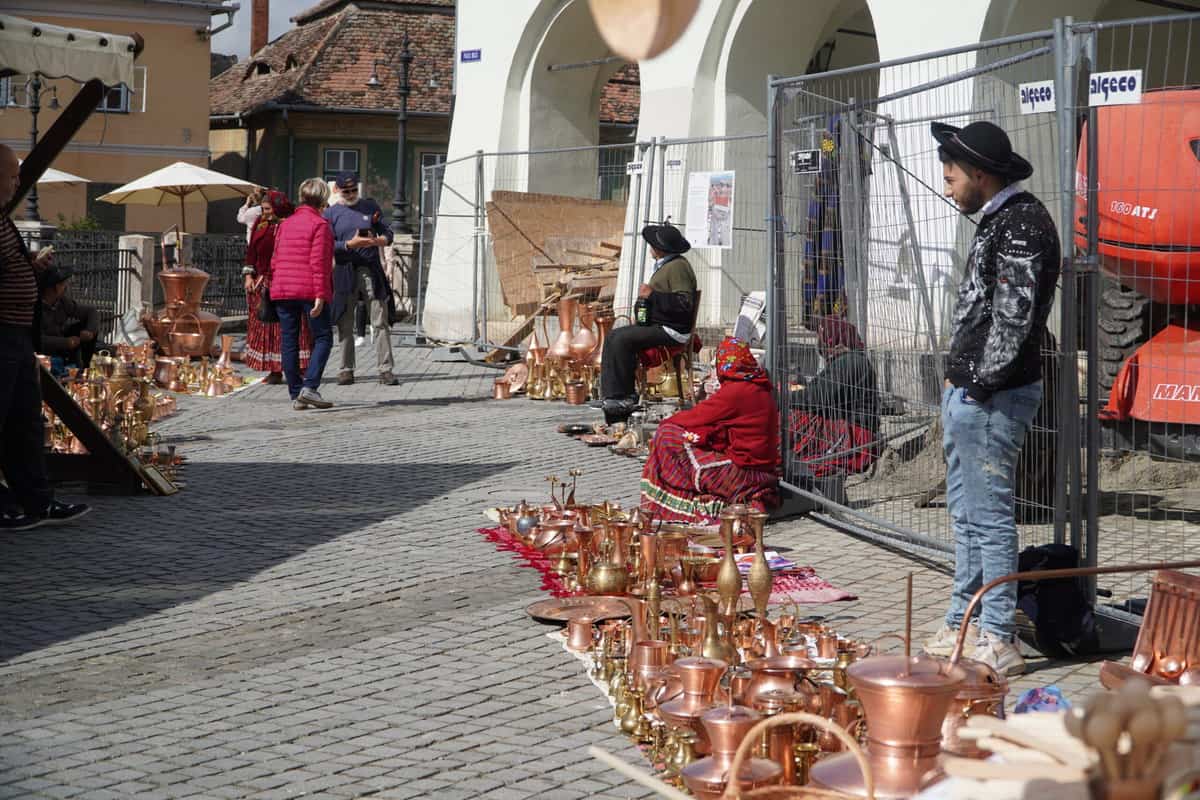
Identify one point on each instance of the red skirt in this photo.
(683, 482)
(832, 446)
(264, 340)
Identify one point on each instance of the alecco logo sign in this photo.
(1123, 88)
(1037, 97)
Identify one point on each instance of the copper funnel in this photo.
(905, 702)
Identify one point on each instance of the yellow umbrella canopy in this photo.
(174, 183)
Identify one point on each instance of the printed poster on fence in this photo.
(710, 209)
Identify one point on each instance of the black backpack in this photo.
(1059, 608)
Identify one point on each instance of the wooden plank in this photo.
(524, 330)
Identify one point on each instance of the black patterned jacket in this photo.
(1004, 299)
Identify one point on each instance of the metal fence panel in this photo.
(1136, 232)
(863, 228)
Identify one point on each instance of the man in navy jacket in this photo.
(358, 233)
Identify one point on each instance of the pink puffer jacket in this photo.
(302, 265)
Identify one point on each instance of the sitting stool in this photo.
(678, 357)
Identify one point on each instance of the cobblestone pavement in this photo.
(314, 616)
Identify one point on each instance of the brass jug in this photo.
(713, 645)
(729, 580)
(759, 578)
(606, 576)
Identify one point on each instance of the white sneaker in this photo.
(312, 398)
(942, 643)
(1002, 656)
(359, 341)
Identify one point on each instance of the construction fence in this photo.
(858, 224)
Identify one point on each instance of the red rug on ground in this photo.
(796, 585)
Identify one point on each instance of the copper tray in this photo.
(596, 440)
(563, 609)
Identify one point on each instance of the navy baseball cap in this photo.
(345, 180)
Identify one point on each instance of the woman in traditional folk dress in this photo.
(835, 427)
(725, 450)
(263, 339)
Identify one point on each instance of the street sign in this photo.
(634, 167)
(805, 162)
(471, 56)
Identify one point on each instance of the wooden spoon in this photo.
(1174, 725)
(1101, 731)
(1009, 770)
(1145, 728)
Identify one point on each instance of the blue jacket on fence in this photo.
(346, 221)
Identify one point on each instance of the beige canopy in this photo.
(173, 183)
(27, 47)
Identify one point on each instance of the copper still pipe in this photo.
(1048, 574)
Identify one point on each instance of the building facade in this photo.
(513, 94)
(162, 119)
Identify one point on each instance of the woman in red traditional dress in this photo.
(835, 424)
(263, 339)
(725, 450)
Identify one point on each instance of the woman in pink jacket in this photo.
(302, 283)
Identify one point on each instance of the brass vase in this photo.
(759, 578)
(729, 580)
(713, 645)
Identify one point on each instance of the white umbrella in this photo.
(175, 182)
(61, 178)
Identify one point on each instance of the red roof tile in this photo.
(326, 60)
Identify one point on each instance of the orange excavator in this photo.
(1148, 206)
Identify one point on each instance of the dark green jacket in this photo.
(672, 302)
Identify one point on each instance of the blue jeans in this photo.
(321, 326)
(982, 442)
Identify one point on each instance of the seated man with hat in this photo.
(663, 316)
(993, 376)
(69, 329)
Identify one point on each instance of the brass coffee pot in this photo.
(606, 576)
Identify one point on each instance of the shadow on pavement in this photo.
(135, 556)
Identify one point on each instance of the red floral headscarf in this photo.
(837, 332)
(280, 205)
(735, 362)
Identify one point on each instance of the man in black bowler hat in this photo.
(993, 375)
(663, 316)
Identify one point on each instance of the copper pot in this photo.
(577, 393)
(646, 657)
(187, 344)
(501, 389)
(552, 532)
(905, 702)
(778, 673)
(982, 692)
(726, 727)
(699, 677)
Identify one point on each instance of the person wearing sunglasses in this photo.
(358, 233)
